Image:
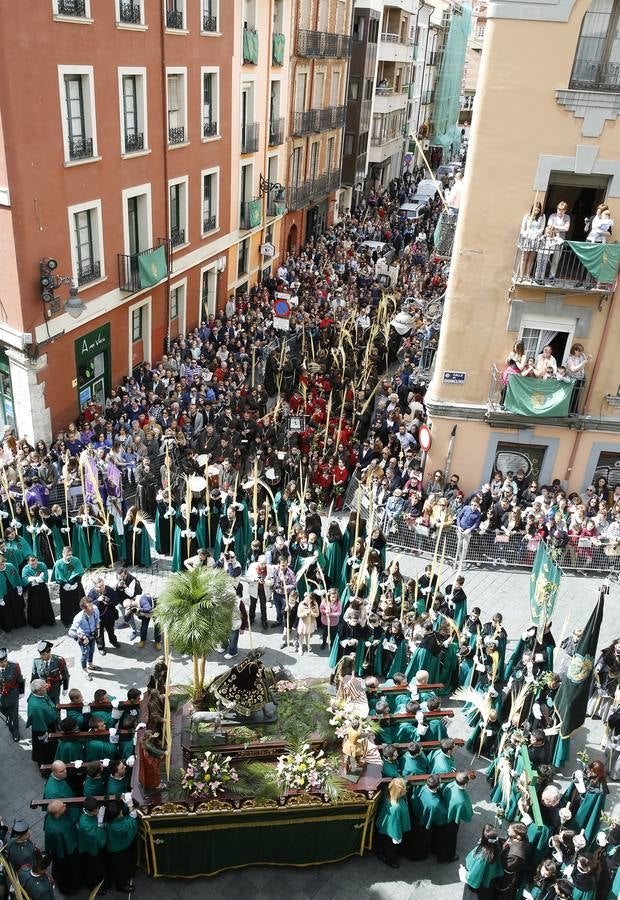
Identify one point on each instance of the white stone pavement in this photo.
(493, 590)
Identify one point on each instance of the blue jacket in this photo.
(469, 518)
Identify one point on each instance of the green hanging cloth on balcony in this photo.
(537, 396)
(279, 207)
(254, 213)
(250, 46)
(278, 48)
(601, 260)
(152, 267)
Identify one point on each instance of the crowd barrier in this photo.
(517, 550)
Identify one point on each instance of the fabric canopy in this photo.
(601, 260)
(537, 396)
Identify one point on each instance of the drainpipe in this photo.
(597, 365)
(164, 106)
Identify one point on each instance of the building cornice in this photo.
(531, 10)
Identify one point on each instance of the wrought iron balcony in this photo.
(129, 268)
(176, 135)
(305, 122)
(249, 137)
(593, 75)
(540, 263)
(87, 273)
(209, 129)
(130, 13)
(313, 120)
(245, 215)
(80, 148)
(333, 180)
(322, 43)
(76, 8)
(209, 223)
(298, 196)
(276, 132)
(276, 203)
(209, 23)
(498, 412)
(134, 142)
(177, 237)
(389, 37)
(174, 19)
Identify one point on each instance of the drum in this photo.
(213, 474)
(197, 484)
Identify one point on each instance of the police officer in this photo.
(52, 670)
(11, 686)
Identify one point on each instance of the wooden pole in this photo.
(170, 522)
(65, 478)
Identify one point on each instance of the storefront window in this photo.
(92, 358)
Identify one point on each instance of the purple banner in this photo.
(91, 477)
(115, 481)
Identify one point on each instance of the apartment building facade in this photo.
(319, 67)
(549, 136)
(115, 164)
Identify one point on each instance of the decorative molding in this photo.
(584, 162)
(531, 10)
(594, 107)
(551, 308)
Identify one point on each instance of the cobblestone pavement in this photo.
(492, 590)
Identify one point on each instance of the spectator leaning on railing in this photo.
(467, 521)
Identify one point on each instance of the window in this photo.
(295, 167)
(177, 105)
(249, 14)
(209, 16)
(331, 148)
(305, 14)
(242, 257)
(314, 161)
(178, 212)
(608, 466)
(137, 324)
(323, 14)
(132, 86)
(137, 219)
(359, 25)
(319, 90)
(175, 13)
(597, 59)
(130, 12)
(176, 309)
(369, 89)
(210, 200)
(78, 113)
(86, 242)
(335, 97)
(348, 144)
(210, 103)
(278, 16)
(354, 88)
(340, 11)
(75, 9)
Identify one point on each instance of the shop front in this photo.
(93, 366)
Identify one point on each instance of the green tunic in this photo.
(406, 732)
(331, 563)
(429, 808)
(60, 836)
(441, 764)
(38, 887)
(10, 574)
(121, 833)
(414, 765)
(17, 551)
(91, 838)
(588, 815)
(390, 769)
(481, 872)
(116, 786)
(62, 574)
(94, 787)
(42, 714)
(96, 749)
(32, 571)
(393, 818)
(69, 751)
(423, 659)
(60, 789)
(458, 803)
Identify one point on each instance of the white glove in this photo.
(462, 874)
(128, 799)
(537, 711)
(132, 813)
(140, 725)
(579, 841)
(447, 642)
(117, 714)
(480, 667)
(85, 709)
(419, 716)
(105, 763)
(488, 732)
(565, 813)
(100, 816)
(19, 591)
(525, 635)
(492, 692)
(539, 658)
(422, 729)
(114, 738)
(505, 726)
(601, 839)
(557, 856)
(65, 692)
(115, 704)
(130, 760)
(77, 763)
(568, 871)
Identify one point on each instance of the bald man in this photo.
(61, 842)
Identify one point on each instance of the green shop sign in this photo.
(92, 344)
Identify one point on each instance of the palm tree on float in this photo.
(195, 609)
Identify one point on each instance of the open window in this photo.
(597, 59)
(582, 194)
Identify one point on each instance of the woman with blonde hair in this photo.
(393, 822)
(532, 228)
(307, 615)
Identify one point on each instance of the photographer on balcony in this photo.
(576, 362)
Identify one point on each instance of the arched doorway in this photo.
(292, 239)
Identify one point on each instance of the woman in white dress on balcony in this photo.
(532, 228)
(600, 226)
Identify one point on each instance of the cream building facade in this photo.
(545, 129)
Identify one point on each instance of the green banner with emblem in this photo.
(544, 587)
(538, 396)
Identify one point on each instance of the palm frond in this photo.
(505, 781)
(482, 702)
(195, 608)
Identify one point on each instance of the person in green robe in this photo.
(81, 536)
(234, 533)
(608, 852)
(414, 760)
(57, 522)
(61, 842)
(425, 656)
(57, 787)
(34, 580)
(137, 549)
(118, 779)
(331, 558)
(12, 609)
(392, 823)
(391, 653)
(121, 843)
(99, 747)
(390, 767)
(407, 730)
(70, 749)
(91, 838)
(95, 780)
(442, 760)
(591, 787)
(457, 600)
(429, 814)
(437, 730)
(42, 718)
(386, 733)
(16, 548)
(185, 541)
(458, 809)
(584, 877)
(482, 866)
(164, 526)
(67, 573)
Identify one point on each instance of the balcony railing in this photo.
(378, 140)
(177, 237)
(592, 75)
(209, 129)
(130, 14)
(323, 43)
(134, 142)
(276, 132)
(304, 122)
(250, 214)
(276, 204)
(496, 401)
(390, 38)
(313, 120)
(174, 19)
(209, 223)
(249, 137)
(333, 180)
(427, 97)
(87, 273)
(176, 135)
(298, 196)
(80, 148)
(313, 190)
(539, 263)
(384, 90)
(209, 23)
(129, 267)
(75, 8)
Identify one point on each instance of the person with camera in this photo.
(127, 589)
(105, 599)
(84, 629)
(143, 607)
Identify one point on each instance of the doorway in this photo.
(582, 193)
